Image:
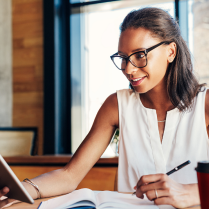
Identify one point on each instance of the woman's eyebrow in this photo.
(119, 52)
(139, 49)
(135, 50)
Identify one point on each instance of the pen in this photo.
(175, 169)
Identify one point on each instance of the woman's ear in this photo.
(171, 52)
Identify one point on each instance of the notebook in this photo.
(92, 199)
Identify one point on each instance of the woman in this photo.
(163, 119)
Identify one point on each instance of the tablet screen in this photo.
(9, 179)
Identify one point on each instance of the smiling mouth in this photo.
(137, 81)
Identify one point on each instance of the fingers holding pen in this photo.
(164, 190)
(148, 183)
(156, 190)
(148, 179)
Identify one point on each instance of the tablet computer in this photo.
(9, 179)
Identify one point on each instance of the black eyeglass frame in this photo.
(143, 51)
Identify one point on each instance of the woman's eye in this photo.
(139, 55)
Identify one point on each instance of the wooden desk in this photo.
(32, 166)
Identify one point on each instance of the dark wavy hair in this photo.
(182, 85)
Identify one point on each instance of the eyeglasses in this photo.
(137, 59)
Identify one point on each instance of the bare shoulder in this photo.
(112, 101)
(109, 109)
(207, 107)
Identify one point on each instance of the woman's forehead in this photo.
(132, 39)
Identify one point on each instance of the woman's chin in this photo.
(140, 90)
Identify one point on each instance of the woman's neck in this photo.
(157, 98)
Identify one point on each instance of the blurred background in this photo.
(55, 67)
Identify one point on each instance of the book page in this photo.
(119, 200)
(81, 197)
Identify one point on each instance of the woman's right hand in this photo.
(4, 201)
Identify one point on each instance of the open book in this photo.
(99, 200)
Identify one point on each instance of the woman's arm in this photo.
(66, 180)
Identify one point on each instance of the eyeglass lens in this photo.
(138, 60)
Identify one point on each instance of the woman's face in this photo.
(153, 75)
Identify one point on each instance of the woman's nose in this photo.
(130, 68)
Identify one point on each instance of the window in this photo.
(94, 37)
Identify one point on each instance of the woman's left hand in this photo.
(165, 191)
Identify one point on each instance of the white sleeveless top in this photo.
(140, 149)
